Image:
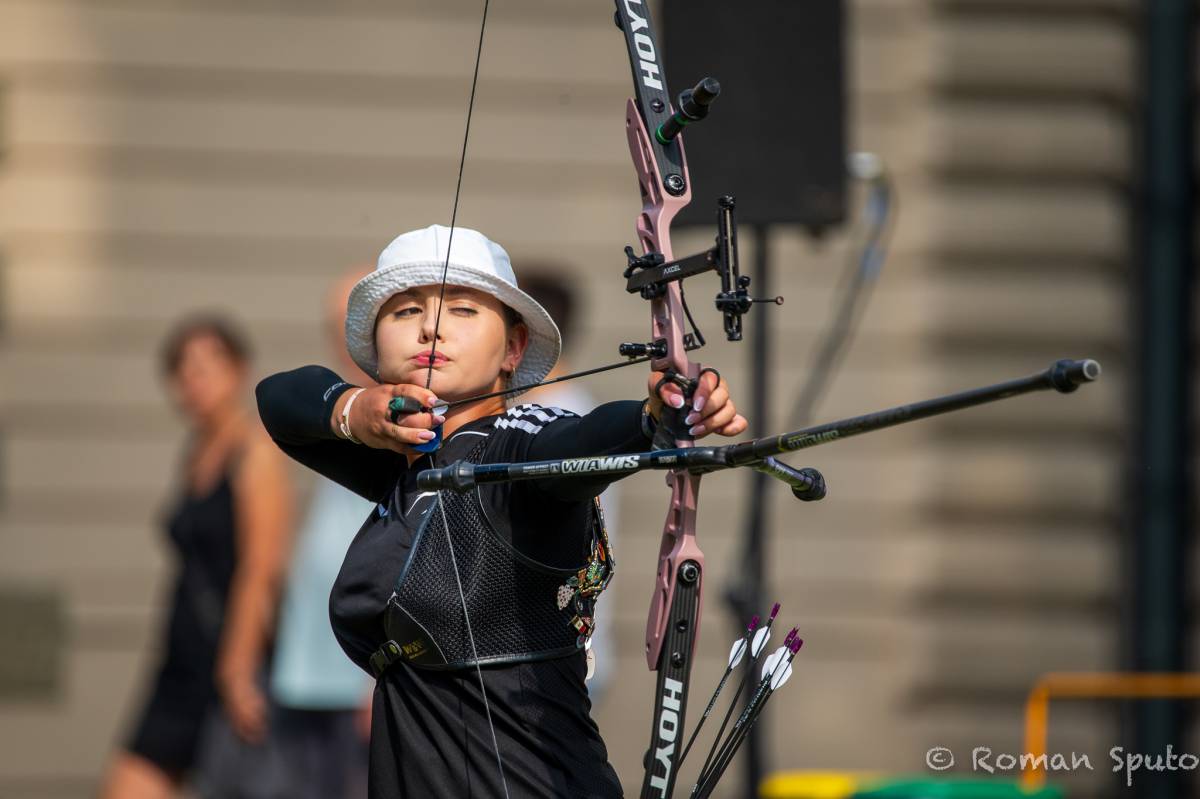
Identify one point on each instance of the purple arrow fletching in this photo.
(753, 624)
(796, 644)
(791, 636)
(775, 611)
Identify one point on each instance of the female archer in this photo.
(473, 611)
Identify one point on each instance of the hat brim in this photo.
(370, 293)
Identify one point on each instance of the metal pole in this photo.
(750, 593)
(1161, 513)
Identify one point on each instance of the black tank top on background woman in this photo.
(201, 529)
(203, 535)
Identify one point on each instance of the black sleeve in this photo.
(295, 408)
(614, 428)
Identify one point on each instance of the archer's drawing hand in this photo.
(712, 410)
(370, 421)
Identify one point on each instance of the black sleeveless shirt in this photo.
(201, 529)
(431, 734)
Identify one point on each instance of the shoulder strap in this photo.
(233, 459)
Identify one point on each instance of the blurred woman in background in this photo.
(322, 700)
(228, 526)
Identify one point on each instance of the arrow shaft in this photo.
(704, 716)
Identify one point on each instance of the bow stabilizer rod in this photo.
(1065, 376)
(691, 106)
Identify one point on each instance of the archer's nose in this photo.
(429, 321)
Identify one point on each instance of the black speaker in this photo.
(775, 137)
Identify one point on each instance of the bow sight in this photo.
(648, 275)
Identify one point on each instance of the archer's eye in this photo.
(409, 311)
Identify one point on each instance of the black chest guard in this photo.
(519, 609)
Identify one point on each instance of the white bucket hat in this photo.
(417, 258)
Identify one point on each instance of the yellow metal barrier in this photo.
(814, 784)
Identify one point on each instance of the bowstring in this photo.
(471, 638)
(462, 161)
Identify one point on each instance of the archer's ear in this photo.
(518, 342)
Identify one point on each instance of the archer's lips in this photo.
(423, 358)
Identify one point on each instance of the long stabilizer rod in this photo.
(1064, 376)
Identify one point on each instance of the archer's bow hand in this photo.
(710, 409)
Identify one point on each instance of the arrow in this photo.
(760, 642)
(777, 670)
(755, 642)
(757, 645)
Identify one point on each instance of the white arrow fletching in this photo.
(780, 676)
(737, 652)
(760, 640)
(773, 660)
